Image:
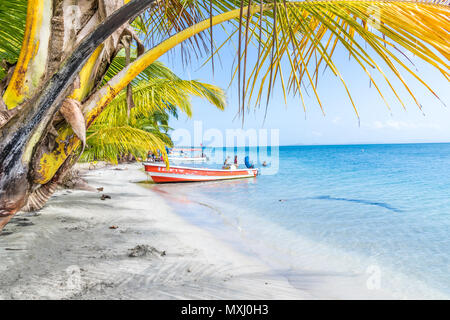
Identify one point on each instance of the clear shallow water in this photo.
(355, 207)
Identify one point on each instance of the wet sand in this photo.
(129, 246)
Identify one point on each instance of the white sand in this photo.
(68, 251)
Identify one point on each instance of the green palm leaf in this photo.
(12, 21)
(107, 143)
(157, 93)
(304, 35)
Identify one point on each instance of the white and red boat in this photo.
(160, 174)
(187, 159)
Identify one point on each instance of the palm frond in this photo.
(169, 17)
(158, 95)
(306, 35)
(155, 70)
(12, 21)
(107, 143)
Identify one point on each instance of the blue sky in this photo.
(340, 124)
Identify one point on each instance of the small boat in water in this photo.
(187, 159)
(160, 174)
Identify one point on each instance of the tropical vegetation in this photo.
(157, 94)
(53, 86)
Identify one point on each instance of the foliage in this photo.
(12, 21)
(157, 93)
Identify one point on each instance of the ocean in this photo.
(378, 213)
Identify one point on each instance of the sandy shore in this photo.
(132, 246)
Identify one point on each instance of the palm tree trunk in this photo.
(97, 102)
(22, 133)
(30, 67)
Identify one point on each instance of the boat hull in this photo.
(160, 174)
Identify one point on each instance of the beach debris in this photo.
(105, 196)
(24, 224)
(19, 219)
(21, 222)
(72, 228)
(114, 227)
(100, 189)
(144, 250)
(81, 184)
(74, 180)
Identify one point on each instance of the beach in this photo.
(131, 246)
(283, 236)
(327, 192)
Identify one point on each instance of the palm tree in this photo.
(160, 94)
(55, 90)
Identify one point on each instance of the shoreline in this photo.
(315, 274)
(324, 271)
(81, 247)
(151, 242)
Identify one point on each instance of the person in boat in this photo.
(159, 157)
(150, 156)
(235, 163)
(247, 162)
(226, 164)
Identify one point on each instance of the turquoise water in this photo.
(355, 206)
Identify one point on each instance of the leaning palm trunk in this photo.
(22, 134)
(39, 135)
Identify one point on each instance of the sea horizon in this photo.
(319, 144)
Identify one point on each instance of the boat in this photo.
(186, 149)
(160, 174)
(187, 159)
